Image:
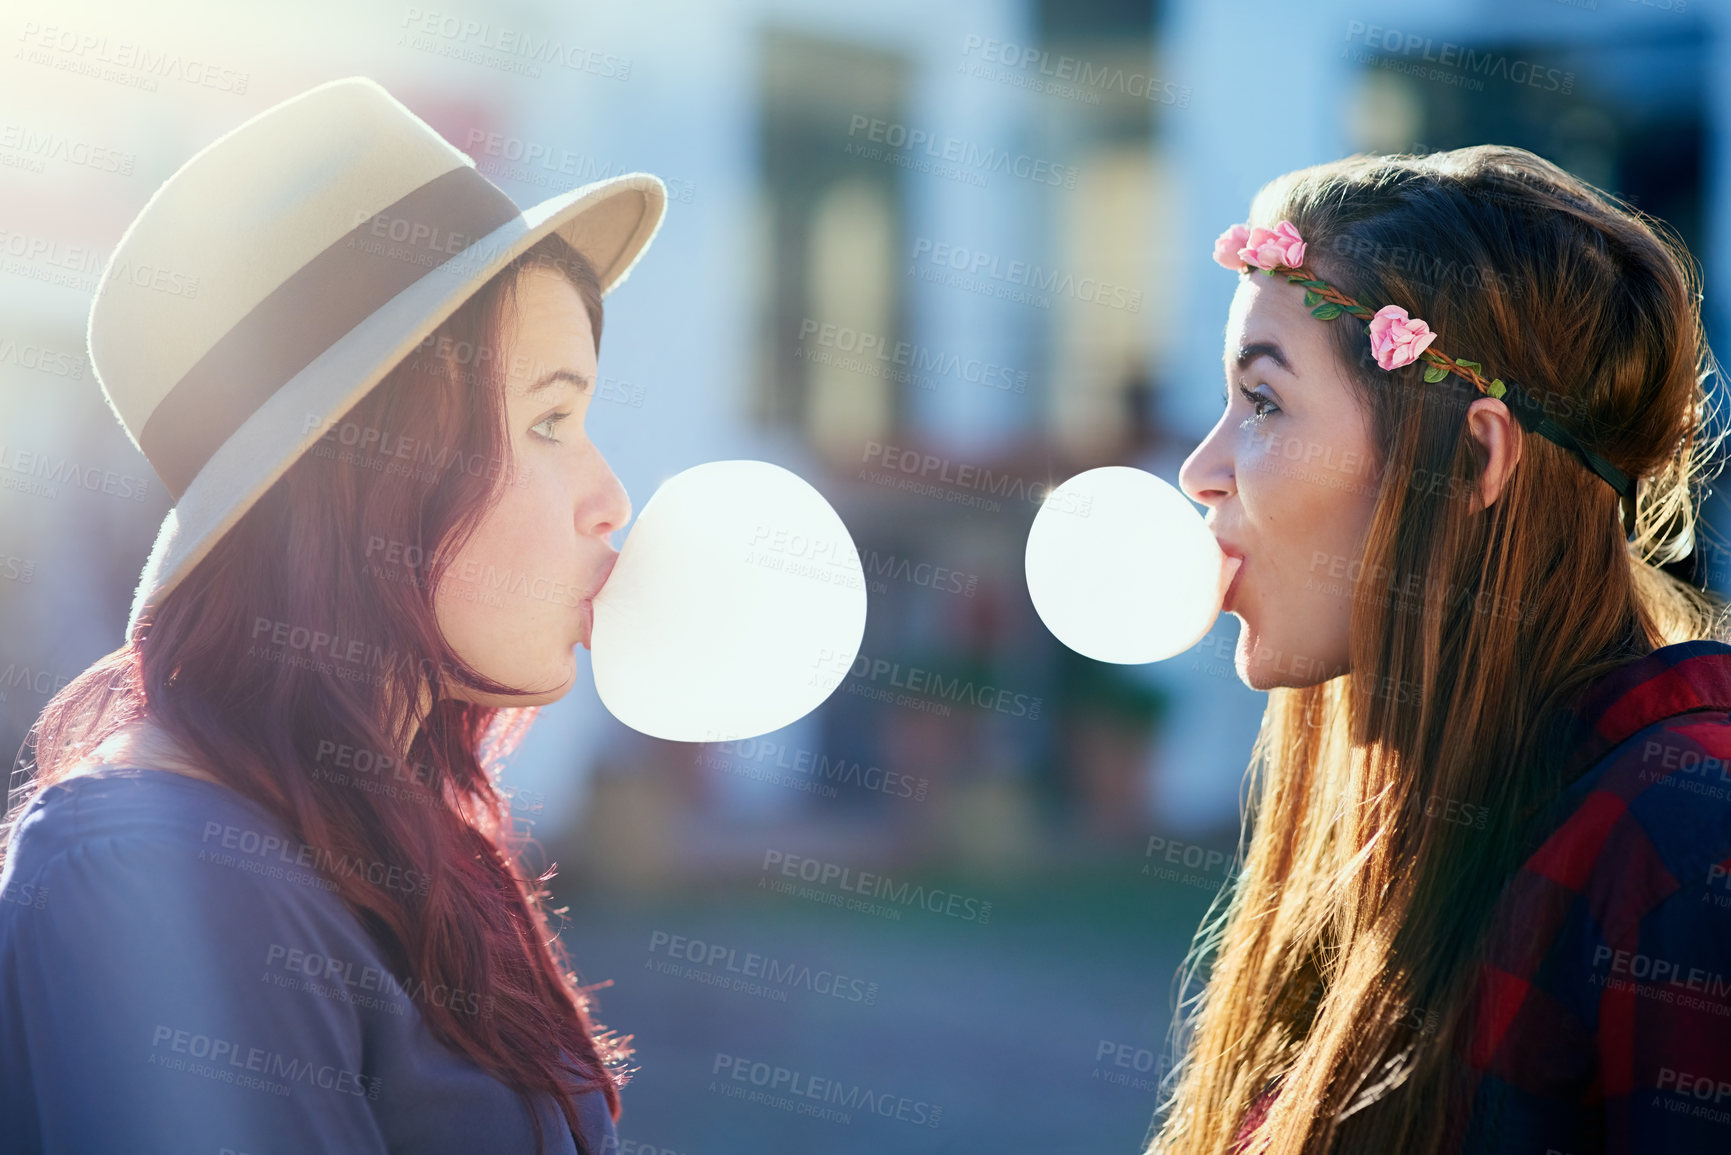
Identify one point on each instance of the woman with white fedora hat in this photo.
(262, 891)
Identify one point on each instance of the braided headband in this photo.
(1397, 339)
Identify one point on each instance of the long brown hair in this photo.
(349, 545)
(1340, 961)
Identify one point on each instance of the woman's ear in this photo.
(1492, 426)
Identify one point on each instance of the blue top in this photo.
(174, 977)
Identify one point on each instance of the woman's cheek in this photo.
(1258, 454)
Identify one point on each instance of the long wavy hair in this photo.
(351, 542)
(1328, 989)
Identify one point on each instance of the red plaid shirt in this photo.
(1603, 1017)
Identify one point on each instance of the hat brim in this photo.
(610, 221)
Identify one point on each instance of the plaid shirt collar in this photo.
(1674, 679)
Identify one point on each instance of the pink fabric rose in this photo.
(1397, 339)
(1227, 245)
(1268, 248)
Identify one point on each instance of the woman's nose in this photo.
(1206, 475)
(605, 506)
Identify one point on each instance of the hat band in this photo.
(324, 299)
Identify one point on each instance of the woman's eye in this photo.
(548, 422)
(1260, 405)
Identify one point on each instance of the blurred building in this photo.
(935, 258)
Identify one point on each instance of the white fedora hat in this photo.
(284, 270)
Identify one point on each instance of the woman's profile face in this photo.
(1289, 479)
(514, 602)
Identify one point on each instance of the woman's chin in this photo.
(548, 682)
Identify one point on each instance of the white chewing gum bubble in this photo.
(737, 605)
(1122, 568)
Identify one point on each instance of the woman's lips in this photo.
(586, 605)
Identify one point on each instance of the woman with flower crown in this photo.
(1484, 901)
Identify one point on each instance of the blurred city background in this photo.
(975, 234)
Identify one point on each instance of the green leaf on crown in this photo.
(1496, 388)
(1434, 373)
(1327, 311)
(1312, 297)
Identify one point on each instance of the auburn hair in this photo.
(1340, 960)
(416, 464)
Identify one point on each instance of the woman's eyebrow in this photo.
(570, 375)
(1250, 352)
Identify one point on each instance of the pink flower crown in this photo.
(1397, 339)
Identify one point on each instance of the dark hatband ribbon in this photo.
(354, 276)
